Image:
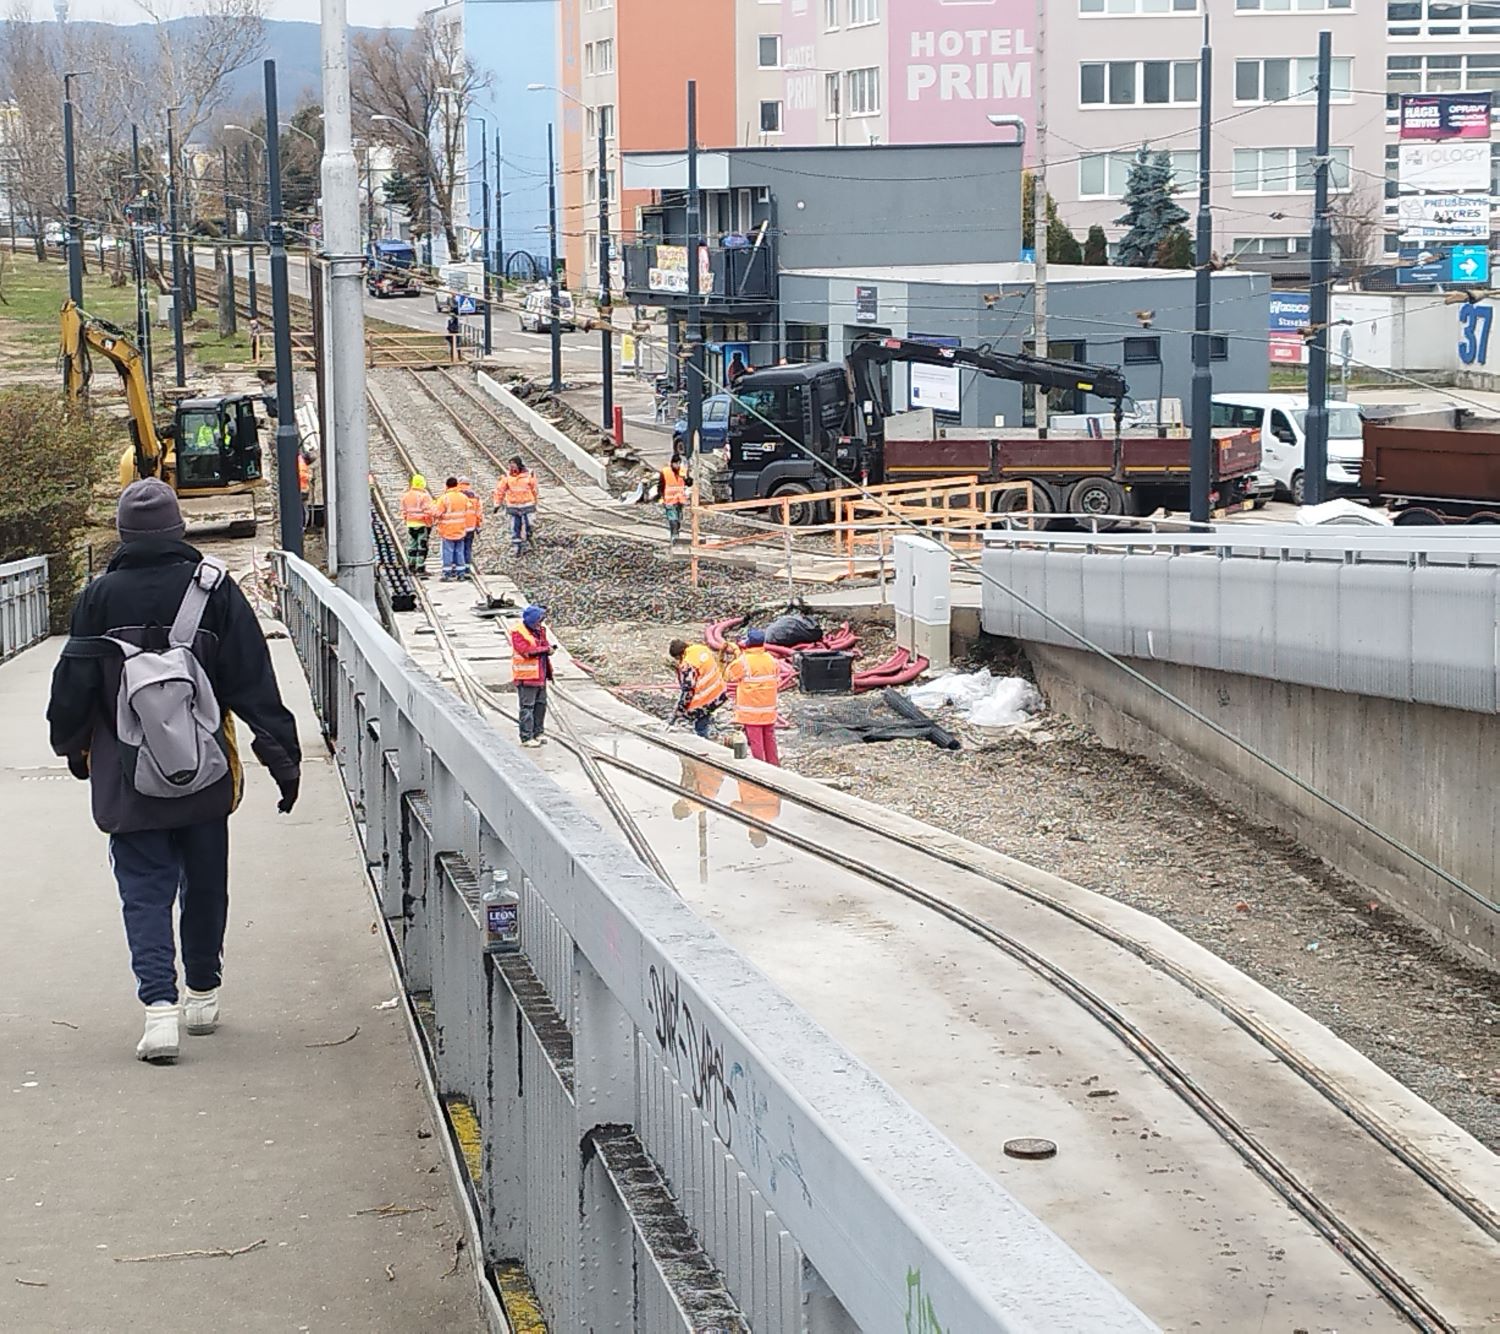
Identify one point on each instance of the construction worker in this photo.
(255, 333)
(700, 683)
(476, 521)
(304, 484)
(418, 509)
(674, 495)
(754, 674)
(451, 516)
(516, 493)
(531, 669)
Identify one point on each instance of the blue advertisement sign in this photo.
(1289, 312)
(1443, 264)
(1471, 264)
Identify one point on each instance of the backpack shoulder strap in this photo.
(207, 577)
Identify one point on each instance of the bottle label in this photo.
(500, 918)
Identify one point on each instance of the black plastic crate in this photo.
(825, 672)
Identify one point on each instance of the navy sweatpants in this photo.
(154, 870)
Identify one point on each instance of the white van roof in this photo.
(1292, 402)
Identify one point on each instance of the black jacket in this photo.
(139, 596)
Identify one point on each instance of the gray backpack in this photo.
(167, 717)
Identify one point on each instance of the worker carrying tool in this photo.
(451, 517)
(700, 683)
(418, 510)
(516, 493)
(754, 676)
(531, 668)
(675, 481)
(476, 521)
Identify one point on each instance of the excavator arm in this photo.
(83, 335)
(1045, 372)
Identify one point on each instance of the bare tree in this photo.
(415, 91)
(1356, 220)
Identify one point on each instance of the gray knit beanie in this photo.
(148, 511)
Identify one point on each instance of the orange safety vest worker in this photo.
(418, 508)
(304, 473)
(673, 487)
(451, 514)
(754, 674)
(708, 681)
(476, 509)
(516, 490)
(525, 669)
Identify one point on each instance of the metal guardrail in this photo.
(667, 1141)
(24, 605)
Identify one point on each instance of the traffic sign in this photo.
(1471, 264)
(1443, 264)
(464, 305)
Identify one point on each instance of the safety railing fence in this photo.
(667, 1142)
(24, 604)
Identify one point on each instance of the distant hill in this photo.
(294, 47)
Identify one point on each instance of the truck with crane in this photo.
(797, 430)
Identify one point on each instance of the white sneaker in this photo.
(533, 744)
(159, 1042)
(200, 1012)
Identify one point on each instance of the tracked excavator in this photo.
(211, 447)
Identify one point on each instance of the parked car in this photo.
(536, 311)
(715, 425)
(1281, 420)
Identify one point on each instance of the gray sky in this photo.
(367, 13)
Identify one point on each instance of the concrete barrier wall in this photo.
(570, 449)
(1423, 774)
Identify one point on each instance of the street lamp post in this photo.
(177, 262)
(73, 237)
(230, 321)
(484, 244)
(555, 295)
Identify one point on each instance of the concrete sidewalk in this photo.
(258, 1137)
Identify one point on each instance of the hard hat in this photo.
(418, 482)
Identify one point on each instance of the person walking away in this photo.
(516, 493)
(451, 519)
(674, 494)
(418, 509)
(531, 669)
(143, 713)
(700, 683)
(476, 522)
(255, 339)
(754, 676)
(304, 485)
(455, 328)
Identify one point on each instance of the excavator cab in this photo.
(216, 445)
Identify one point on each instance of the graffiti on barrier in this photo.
(772, 1159)
(921, 1318)
(697, 1056)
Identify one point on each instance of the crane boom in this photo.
(83, 335)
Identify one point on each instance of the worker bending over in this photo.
(418, 510)
(700, 683)
(476, 521)
(755, 676)
(451, 516)
(516, 493)
(531, 669)
(674, 495)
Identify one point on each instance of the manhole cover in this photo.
(1030, 1148)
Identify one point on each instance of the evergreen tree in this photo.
(1096, 247)
(1175, 250)
(1062, 245)
(1150, 211)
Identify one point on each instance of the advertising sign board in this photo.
(1457, 166)
(1443, 217)
(1445, 116)
(934, 387)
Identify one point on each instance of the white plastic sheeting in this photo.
(981, 698)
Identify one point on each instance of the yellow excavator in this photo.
(210, 448)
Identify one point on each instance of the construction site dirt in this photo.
(1051, 795)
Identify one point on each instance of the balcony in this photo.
(732, 275)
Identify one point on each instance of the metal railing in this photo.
(24, 605)
(667, 1142)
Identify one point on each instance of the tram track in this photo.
(1400, 1292)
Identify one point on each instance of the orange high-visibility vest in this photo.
(476, 511)
(417, 508)
(304, 473)
(673, 488)
(754, 673)
(708, 685)
(526, 671)
(451, 514)
(516, 490)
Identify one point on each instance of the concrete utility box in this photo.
(164, 310)
(923, 601)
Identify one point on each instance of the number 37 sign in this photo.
(1474, 333)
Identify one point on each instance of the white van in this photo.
(536, 311)
(1281, 420)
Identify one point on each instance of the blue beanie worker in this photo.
(533, 616)
(753, 638)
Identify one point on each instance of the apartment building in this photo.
(625, 64)
(1119, 74)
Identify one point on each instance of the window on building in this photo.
(830, 15)
(599, 57)
(1442, 18)
(1392, 171)
(1285, 171)
(862, 91)
(1105, 175)
(1291, 6)
(832, 107)
(609, 185)
(1142, 351)
(1439, 74)
(1289, 80)
(769, 51)
(1272, 247)
(607, 120)
(863, 11)
(1121, 7)
(770, 117)
(591, 186)
(1126, 83)
(588, 57)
